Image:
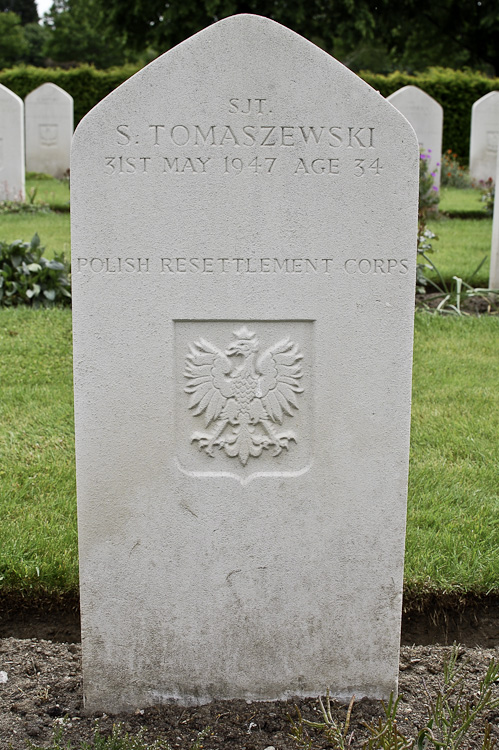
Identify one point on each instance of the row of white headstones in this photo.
(47, 116)
(40, 127)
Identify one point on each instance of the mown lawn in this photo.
(453, 519)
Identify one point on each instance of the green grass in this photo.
(461, 246)
(37, 484)
(53, 230)
(453, 523)
(44, 189)
(453, 514)
(454, 199)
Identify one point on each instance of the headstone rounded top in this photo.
(492, 98)
(244, 48)
(48, 90)
(416, 94)
(6, 94)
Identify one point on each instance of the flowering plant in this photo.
(453, 174)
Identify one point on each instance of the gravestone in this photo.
(11, 146)
(484, 136)
(49, 130)
(494, 255)
(427, 118)
(244, 221)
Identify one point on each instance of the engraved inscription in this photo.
(492, 140)
(244, 395)
(239, 148)
(48, 135)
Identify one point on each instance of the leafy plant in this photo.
(385, 734)
(28, 278)
(453, 174)
(336, 732)
(450, 717)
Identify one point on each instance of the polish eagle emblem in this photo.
(244, 395)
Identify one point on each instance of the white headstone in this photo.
(484, 136)
(494, 255)
(49, 130)
(427, 118)
(244, 250)
(11, 146)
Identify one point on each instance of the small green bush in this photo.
(28, 278)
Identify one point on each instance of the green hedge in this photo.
(86, 85)
(455, 90)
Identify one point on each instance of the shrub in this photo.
(453, 174)
(28, 278)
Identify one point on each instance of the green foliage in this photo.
(79, 33)
(36, 37)
(25, 9)
(453, 174)
(28, 278)
(14, 45)
(419, 35)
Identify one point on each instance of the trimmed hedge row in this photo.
(86, 85)
(455, 90)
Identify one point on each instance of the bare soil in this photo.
(42, 694)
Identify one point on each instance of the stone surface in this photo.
(49, 130)
(484, 136)
(11, 146)
(244, 220)
(494, 255)
(427, 118)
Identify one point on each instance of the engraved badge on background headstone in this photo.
(48, 135)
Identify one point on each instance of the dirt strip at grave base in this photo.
(430, 618)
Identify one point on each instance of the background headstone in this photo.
(494, 255)
(244, 222)
(427, 118)
(49, 130)
(484, 136)
(11, 146)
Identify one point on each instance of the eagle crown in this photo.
(246, 343)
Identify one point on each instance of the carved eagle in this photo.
(243, 393)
